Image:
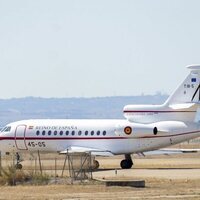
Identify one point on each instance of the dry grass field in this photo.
(156, 189)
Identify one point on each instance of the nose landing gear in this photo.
(127, 163)
(18, 159)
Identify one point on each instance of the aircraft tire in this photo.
(18, 166)
(126, 164)
(95, 164)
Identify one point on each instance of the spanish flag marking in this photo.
(128, 130)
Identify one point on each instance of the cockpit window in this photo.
(6, 129)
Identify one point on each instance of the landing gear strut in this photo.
(127, 163)
(18, 165)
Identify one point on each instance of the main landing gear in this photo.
(95, 165)
(18, 165)
(127, 163)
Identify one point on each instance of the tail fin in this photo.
(189, 90)
(180, 106)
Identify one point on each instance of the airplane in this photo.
(145, 128)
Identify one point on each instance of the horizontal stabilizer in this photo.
(182, 106)
(96, 152)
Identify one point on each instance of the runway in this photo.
(131, 174)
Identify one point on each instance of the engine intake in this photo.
(155, 130)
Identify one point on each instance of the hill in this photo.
(70, 108)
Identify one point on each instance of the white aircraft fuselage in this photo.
(106, 135)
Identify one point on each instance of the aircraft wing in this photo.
(96, 152)
(170, 151)
(100, 152)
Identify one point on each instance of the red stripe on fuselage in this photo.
(154, 111)
(161, 136)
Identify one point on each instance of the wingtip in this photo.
(194, 67)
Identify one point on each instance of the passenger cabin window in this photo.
(61, 132)
(55, 132)
(73, 132)
(98, 132)
(104, 132)
(79, 133)
(92, 132)
(86, 132)
(43, 132)
(37, 132)
(49, 132)
(67, 133)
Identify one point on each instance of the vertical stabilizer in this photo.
(189, 90)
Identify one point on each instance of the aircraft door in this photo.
(20, 137)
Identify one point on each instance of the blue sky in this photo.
(89, 48)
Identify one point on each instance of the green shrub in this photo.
(40, 179)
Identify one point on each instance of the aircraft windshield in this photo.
(6, 129)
